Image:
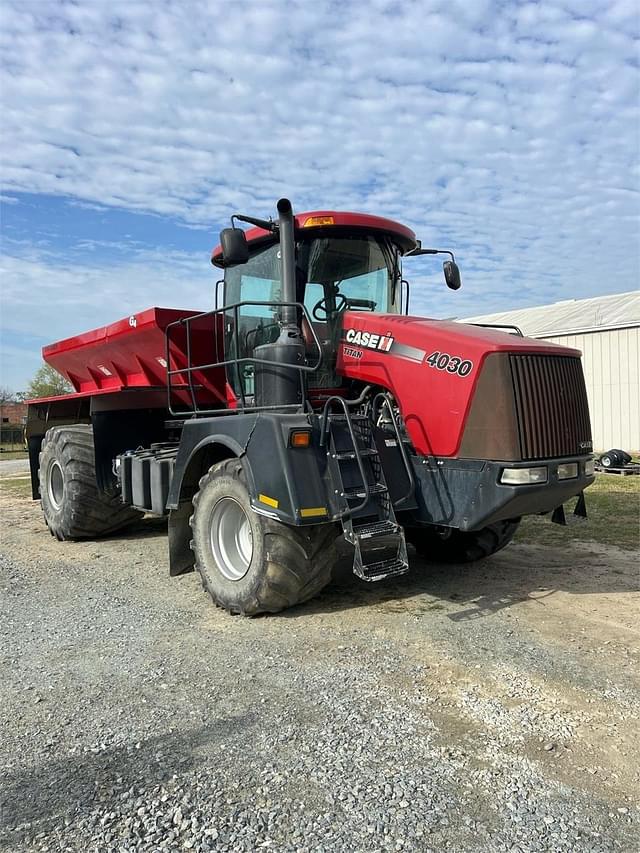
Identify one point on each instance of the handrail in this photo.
(403, 453)
(186, 323)
(216, 291)
(404, 281)
(516, 329)
(323, 434)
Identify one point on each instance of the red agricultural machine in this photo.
(309, 405)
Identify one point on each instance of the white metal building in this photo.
(607, 331)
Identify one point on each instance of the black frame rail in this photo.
(221, 345)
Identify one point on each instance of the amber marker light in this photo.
(318, 220)
(300, 438)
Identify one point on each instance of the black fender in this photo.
(284, 483)
(203, 444)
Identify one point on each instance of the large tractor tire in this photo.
(460, 546)
(249, 563)
(73, 505)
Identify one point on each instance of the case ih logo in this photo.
(369, 340)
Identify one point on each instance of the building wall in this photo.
(12, 413)
(611, 362)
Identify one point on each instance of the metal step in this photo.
(375, 528)
(382, 569)
(340, 419)
(350, 454)
(358, 492)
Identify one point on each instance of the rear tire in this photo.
(461, 546)
(249, 563)
(73, 505)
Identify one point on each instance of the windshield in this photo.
(349, 272)
(360, 268)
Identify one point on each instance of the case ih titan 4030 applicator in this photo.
(309, 405)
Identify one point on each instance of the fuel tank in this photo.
(471, 392)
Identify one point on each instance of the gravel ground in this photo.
(486, 708)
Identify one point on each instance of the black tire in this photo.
(462, 547)
(615, 458)
(287, 565)
(73, 506)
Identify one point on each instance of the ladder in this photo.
(359, 485)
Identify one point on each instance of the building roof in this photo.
(571, 316)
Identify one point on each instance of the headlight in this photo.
(568, 471)
(524, 476)
(590, 467)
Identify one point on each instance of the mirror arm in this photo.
(266, 224)
(420, 251)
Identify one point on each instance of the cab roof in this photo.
(320, 222)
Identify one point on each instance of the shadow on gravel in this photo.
(148, 527)
(77, 784)
(517, 574)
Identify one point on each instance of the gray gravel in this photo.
(13, 466)
(450, 710)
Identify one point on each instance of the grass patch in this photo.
(613, 505)
(13, 454)
(16, 486)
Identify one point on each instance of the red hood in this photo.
(430, 366)
(423, 332)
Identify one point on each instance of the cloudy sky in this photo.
(130, 131)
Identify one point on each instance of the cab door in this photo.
(250, 324)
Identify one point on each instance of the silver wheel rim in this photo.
(231, 539)
(55, 486)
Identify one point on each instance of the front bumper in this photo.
(467, 494)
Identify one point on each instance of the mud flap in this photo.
(579, 513)
(181, 557)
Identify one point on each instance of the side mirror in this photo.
(452, 275)
(235, 249)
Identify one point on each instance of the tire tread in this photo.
(87, 512)
(298, 560)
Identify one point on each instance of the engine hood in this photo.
(423, 332)
(432, 368)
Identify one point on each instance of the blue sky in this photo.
(507, 131)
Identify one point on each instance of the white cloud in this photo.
(507, 130)
(43, 292)
(46, 297)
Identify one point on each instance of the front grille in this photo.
(551, 406)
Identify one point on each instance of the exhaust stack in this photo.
(287, 261)
(282, 384)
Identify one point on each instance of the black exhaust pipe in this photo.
(280, 383)
(287, 260)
